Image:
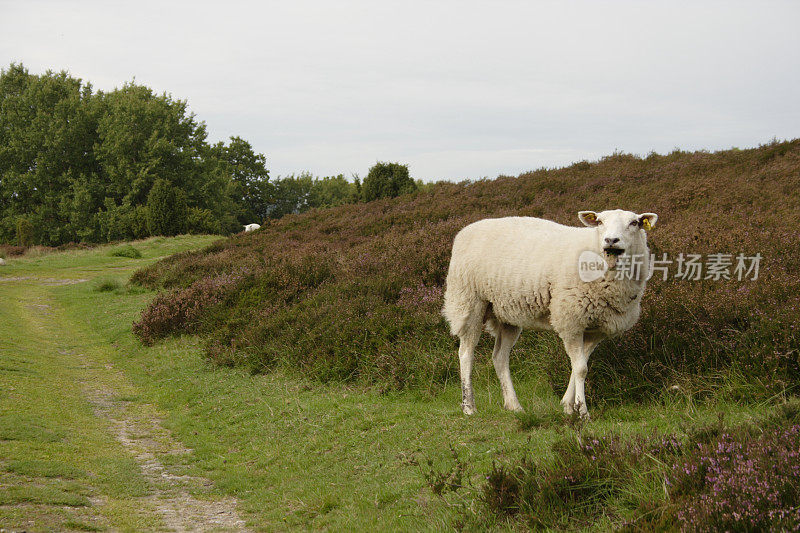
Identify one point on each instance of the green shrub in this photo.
(122, 222)
(387, 180)
(107, 285)
(202, 222)
(137, 222)
(166, 209)
(24, 232)
(125, 250)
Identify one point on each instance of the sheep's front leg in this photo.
(506, 338)
(590, 342)
(568, 400)
(579, 360)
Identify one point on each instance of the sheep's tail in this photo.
(453, 313)
(466, 312)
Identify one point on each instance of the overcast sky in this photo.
(454, 89)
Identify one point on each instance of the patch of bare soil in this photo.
(50, 282)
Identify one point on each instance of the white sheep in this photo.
(2, 261)
(251, 227)
(523, 272)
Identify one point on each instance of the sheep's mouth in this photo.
(614, 251)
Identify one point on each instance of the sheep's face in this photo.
(618, 231)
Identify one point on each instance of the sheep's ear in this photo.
(647, 220)
(589, 218)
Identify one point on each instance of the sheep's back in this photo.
(513, 263)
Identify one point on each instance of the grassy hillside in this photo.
(353, 293)
(100, 432)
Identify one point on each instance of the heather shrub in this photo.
(354, 292)
(712, 478)
(9, 250)
(444, 480)
(583, 479)
(176, 312)
(740, 482)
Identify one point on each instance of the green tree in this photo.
(250, 187)
(47, 134)
(142, 137)
(331, 191)
(387, 180)
(290, 195)
(80, 165)
(166, 209)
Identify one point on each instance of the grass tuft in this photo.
(107, 285)
(125, 250)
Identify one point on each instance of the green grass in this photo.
(56, 455)
(295, 452)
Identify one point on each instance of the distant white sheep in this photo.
(251, 227)
(522, 272)
(2, 261)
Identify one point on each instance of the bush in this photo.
(202, 222)
(24, 232)
(137, 222)
(580, 482)
(122, 222)
(713, 478)
(740, 482)
(125, 250)
(9, 250)
(107, 285)
(173, 313)
(387, 180)
(166, 209)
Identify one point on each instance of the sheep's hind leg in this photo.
(506, 338)
(466, 354)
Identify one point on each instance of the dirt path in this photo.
(183, 502)
(146, 439)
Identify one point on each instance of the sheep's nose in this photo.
(612, 240)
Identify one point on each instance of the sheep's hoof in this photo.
(583, 413)
(568, 409)
(468, 409)
(515, 408)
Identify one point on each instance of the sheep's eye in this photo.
(599, 222)
(635, 223)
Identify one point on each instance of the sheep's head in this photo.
(619, 231)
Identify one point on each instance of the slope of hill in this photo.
(353, 293)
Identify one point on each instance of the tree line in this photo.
(78, 165)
